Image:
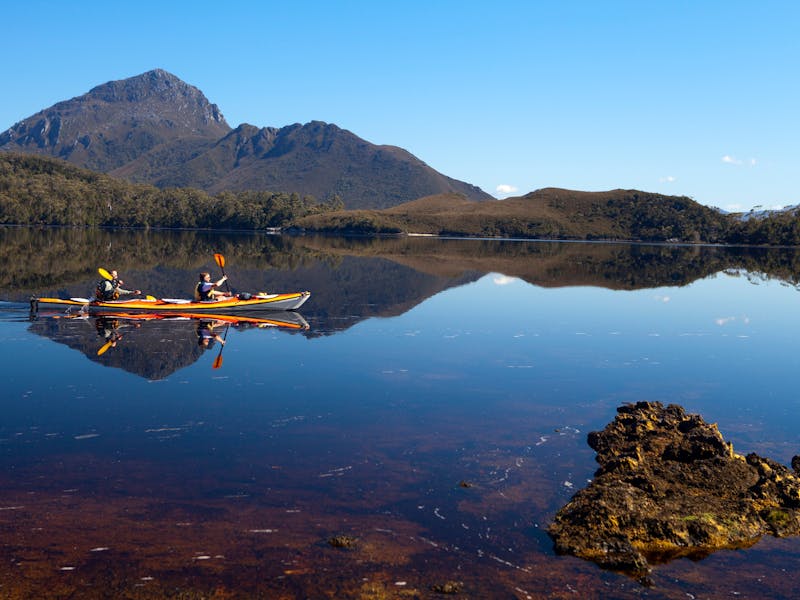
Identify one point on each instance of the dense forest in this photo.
(40, 191)
(35, 190)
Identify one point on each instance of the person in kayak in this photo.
(204, 290)
(111, 289)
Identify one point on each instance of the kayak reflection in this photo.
(153, 345)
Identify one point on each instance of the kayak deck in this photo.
(255, 302)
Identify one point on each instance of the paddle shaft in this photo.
(221, 262)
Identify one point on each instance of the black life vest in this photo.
(106, 290)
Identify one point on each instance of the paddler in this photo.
(204, 290)
(111, 289)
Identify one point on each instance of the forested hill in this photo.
(154, 128)
(554, 213)
(40, 191)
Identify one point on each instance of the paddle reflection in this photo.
(154, 346)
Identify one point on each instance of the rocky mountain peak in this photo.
(118, 121)
(161, 88)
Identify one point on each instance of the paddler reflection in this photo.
(108, 328)
(206, 334)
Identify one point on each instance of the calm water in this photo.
(144, 471)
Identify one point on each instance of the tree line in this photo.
(36, 190)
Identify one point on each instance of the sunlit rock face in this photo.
(670, 486)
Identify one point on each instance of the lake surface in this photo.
(435, 410)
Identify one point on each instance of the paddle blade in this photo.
(104, 274)
(220, 260)
(217, 361)
(104, 347)
(151, 298)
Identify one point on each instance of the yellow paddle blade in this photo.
(104, 347)
(149, 297)
(220, 260)
(104, 274)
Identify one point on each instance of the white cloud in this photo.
(668, 179)
(505, 188)
(732, 160)
(725, 320)
(663, 299)
(503, 280)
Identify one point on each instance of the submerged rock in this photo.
(670, 486)
(343, 541)
(448, 587)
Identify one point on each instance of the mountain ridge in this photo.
(155, 128)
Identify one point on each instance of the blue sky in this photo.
(696, 98)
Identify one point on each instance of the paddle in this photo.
(221, 262)
(218, 361)
(105, 347)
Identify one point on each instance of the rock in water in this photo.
(670, 486)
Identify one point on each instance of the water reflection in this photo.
(353, 279)
(443, 440)
(154, 346)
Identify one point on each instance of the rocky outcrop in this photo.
(670, 486)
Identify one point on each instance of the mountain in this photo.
(154, 128)
(119, 121)
(317, 159)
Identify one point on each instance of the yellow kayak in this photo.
(236, 304)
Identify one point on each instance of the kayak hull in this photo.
(258, 302)
(273, 318)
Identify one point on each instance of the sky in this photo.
(695, 98)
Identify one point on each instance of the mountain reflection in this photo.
(152, 346)
(352, 279)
